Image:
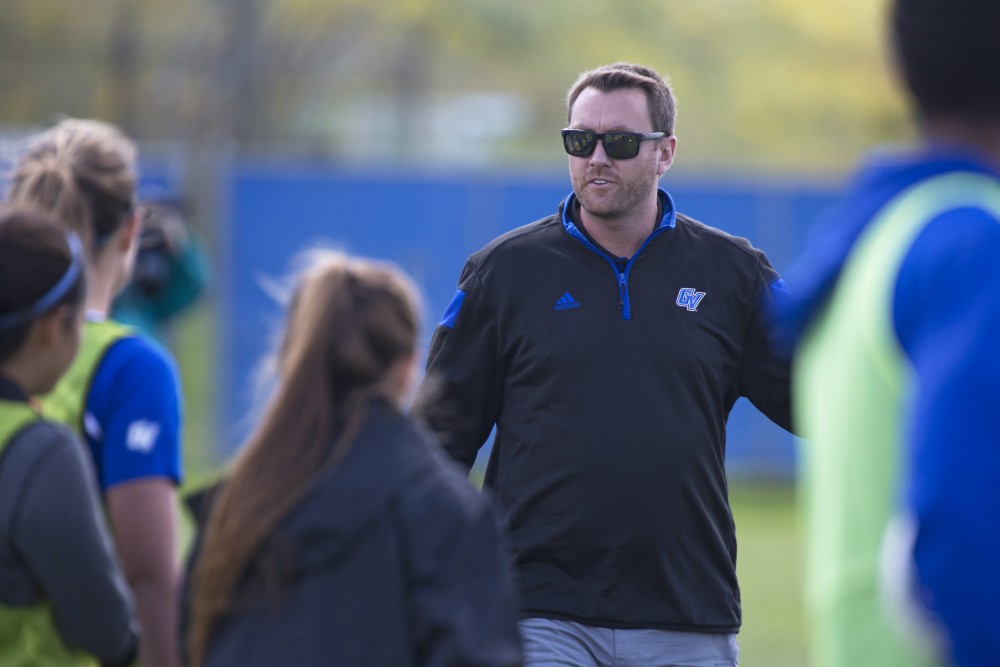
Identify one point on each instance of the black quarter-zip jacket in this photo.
(610, 384)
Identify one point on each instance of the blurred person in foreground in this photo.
(341, 534)
(63, 599)
(608, 343)
(122, 391)
(171, 268)
(895, 317)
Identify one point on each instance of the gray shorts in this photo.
(551, 643)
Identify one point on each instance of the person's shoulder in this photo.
(961, 241)
(38, 442)
(966, 225)
(41, 437)
(138, 354)
(719, 237)
(716, 240)
(137, 372)
(391, 464)
(418, 454)
(412, 461)
(441, 486)
(518, 239)
(388, 446)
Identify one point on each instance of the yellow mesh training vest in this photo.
(66, 402)
(849, 382)
(28, 635)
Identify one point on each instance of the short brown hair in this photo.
(660, 97)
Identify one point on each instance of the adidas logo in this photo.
(566, 301)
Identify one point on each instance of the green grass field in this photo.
(768, 566)
(193, 344)
(768, 562)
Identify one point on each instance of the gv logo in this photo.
(688, 298)
(142, 436)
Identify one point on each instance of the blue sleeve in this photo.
(947, 317)
(461, 394)
(133, 415)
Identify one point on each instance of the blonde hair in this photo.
(84, 173)
(349, 322)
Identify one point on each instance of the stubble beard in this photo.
(628, 195)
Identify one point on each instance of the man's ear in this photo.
(668, 149)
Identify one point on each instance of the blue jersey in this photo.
(133, 414)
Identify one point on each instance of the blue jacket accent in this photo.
(451, 314)
(667, 221)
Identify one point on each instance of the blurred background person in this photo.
(342, 535)
(63, 599)
(171, 268)
(122, 391)
(895, 310)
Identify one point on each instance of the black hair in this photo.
(35, 256)
(948, 52)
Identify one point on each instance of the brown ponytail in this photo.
(84, 173)
(349, 322)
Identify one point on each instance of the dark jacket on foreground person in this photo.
(394, 559)
(63, 597)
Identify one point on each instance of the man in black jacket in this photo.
(607, 343)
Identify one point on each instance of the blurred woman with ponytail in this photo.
(63, 599)
(122, 391)
(341, 536)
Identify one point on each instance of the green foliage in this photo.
(772, 84)
(193, 345)
(769, 570)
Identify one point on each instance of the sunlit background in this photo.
(775, 85)
(393, 98)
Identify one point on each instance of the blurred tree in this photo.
(762, 84)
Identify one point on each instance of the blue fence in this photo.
(429, 224)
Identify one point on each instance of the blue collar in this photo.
(667, 221)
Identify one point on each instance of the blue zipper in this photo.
(622, 292)
(624, 303)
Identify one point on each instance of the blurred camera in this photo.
(159, 242)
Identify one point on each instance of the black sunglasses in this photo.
(617, 145)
